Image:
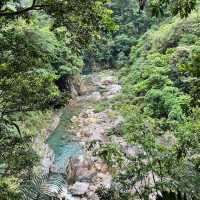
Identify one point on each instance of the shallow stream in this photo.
(62, 142)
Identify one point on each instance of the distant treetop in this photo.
(182, 7)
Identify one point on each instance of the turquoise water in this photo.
(62, 142)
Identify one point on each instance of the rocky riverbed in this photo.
(86, 172)
(81, 126)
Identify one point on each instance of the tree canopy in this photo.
(46, 43)
(182, 7)
(41, 45)
(82, 18)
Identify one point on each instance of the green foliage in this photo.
(9, 188)
(160, 104)
(111, 154)
(182, 7)
(27, 82)
(18, 158)
(112, 194)
(192, 67)
(83, 19)
(112, 50)
(43, 187)
(41, 42)
(100, 107)
(39, 57)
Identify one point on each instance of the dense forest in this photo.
(49, 51)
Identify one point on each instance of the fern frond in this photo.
(43, 188)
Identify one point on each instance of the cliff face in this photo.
(77, 86)
(73, 84)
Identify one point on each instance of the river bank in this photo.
(42, 148)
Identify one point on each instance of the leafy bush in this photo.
(111, 154)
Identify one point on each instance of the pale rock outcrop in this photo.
(79, 188)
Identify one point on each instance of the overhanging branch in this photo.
(34, 6)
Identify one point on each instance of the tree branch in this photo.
(6, 121)
(25, 10)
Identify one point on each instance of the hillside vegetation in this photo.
(160, 104)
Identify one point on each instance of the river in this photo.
(79, 125)
(63, 144)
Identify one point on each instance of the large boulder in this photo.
(79, 168)
(104, 180)
(95, 96)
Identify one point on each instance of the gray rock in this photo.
(149, 180)
(97, 136)
(107, 181)
(92, 196)
(86, 175)
(95, 96)
(79, 188)
(131, 151)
